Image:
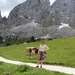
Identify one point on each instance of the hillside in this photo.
(61, 52)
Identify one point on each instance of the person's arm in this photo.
(38, 49)
(46, 47)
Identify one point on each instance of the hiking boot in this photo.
(40, 66)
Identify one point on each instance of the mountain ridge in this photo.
(47, 19)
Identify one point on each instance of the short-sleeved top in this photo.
(43, 47)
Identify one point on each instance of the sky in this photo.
(7, 5)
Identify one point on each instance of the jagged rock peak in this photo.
(45, 3)
(64, 6)
(24, 13)
(66, 10)
(0, 17)
(0, 13)
(39, 1)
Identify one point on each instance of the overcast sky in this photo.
(7, 5)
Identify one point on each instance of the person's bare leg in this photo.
(38, 63)
(41, 63)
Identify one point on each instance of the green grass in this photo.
(61, 52)
(9, 69)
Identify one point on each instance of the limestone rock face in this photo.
(0, 17)
(24, 13)
(28, 30)
(37, 18)
(66, 8)
(3, 24)
(61, 11)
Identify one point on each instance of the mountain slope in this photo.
(29, 10)
(28, 30)
(66, 8)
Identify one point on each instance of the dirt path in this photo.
(47, 67)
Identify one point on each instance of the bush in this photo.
(32, 39)
(8, 44)
(1, 39)
(16, 40)
(50, 38)
(38, 39)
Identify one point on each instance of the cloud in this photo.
(7, 5)
(5, 13)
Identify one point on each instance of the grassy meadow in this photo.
(61, 52)
(9, 69)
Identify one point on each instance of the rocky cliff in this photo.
(37, 10)
(66, 8)
(3, 23)
(0, 17)
(37, 18)
(61, 11)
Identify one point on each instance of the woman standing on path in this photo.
(42, 54)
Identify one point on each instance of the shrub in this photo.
(7, 43)
(1, 39)
(32, 39)
(50, 38)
